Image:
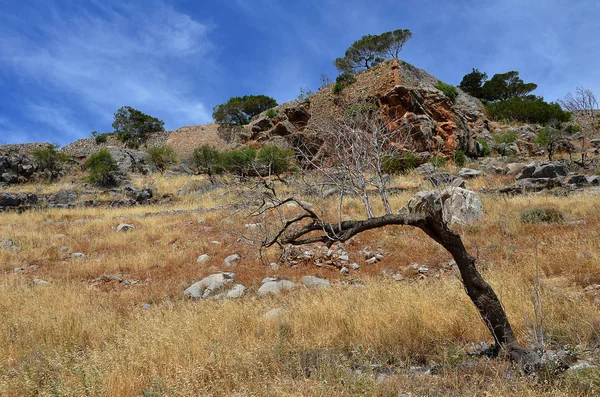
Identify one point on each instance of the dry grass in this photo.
(74, 338)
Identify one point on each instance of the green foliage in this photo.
(342, 81)
(501, 87)
(101, 138)
(438, 161)
(274, 160)
(370, 50)
(207, 158)
(133, 126)
(472, 83)
(49, 159)
(485, 145)
(541, 215)
(239, 110)
(573, 128)
(459, 157)
(162, 156)
(101, 168)
(448, 90)
(509, 136)
(394, 163)
(527, 110)
(337, 88)
(363, 108)
(238, 162)
(272, 113)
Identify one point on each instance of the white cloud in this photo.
(101, 59)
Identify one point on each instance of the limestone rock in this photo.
(461, 206)
(210, 286)
(315, 282)
(275, 287)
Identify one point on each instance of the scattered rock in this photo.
(272, 287)
(232, 260)
(210, 286)
(64, 197)
(461, 206)
(202, 259)
(543, 170)
(469, 173)
(63, 249)
(77, 255)
(7, 244)
(315, 282)
(40, 282)
(124, 227)
(237, 291)
(274, 313)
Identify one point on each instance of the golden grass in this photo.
(74, 338)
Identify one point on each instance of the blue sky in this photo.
(67, 65)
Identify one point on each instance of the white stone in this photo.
(315, 282)
(209, 286)
(275, 287)
(232, 260)
(124, 227)
(461, 206)
(203, 259)
(237, 291)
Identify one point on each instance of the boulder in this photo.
(64, 197)
(232, 260)
(461, 206)
(441, 179)
(210, 286)
(6, 244)
(140, 196)
(275, 287)
(543, 170)
(237, 291)
(124, 227)
(129, 160)
(283, 128)
(202, 259)
(315, 282)
(297, 115)
(469, 173)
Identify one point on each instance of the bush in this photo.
(573, 128)
(527, 110)
(509, 136)
(49, 159)
(485, 145)
(207, 158)
(448, 90)
(271, 113)
(541, 215)
(162, 156)
(133, 126)
(337, 88)
(438, 161)
(101, 168)
(274, 160)
(459, 157)
(239, 162)
(394, 163)
(101, 138)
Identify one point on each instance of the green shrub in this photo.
(573, 128)
(101, 168)
(438, 161)
(207, 158)
(509, 136)
(239, 162)
(272, 159)
(541, 215)
(448, 90)
(395, 163)
(337, 88)
(459, 157)
(271, 113)
(49, 160)
(527, 110)
(101, 138)
(162, 156)
(485, 145)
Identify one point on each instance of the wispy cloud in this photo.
(101, 58)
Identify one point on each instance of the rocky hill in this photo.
(421, 116)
